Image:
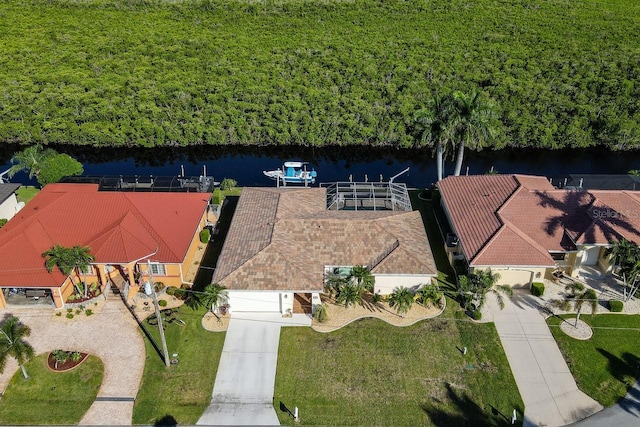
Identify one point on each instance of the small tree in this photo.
(401, 299)
(349, 294)
(363, 277)
(429, 295)
(68, 260)
(228, 184)
(474, 287)
(213, 297)
(576, 296)
(12, 343)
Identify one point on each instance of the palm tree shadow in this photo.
(581, 216)
(466, 413)
(166, 421)
(623, 368)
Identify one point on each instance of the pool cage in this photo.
(147, 183)
(372, 196)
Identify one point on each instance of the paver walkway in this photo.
(110, 334)
(550, 394)
(243, 390)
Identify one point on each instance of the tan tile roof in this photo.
(305, 237)
(499, 225)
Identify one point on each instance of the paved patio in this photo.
(110, 334)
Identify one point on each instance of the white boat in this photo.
(293, 173)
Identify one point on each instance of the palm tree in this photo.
(349, 294)
(474, 287)
(625, 255)
(435, 121)
(429, 295)
(214, 296)
(363, 277)
(401, 299)
(68, 260)
(30, 159)
(12, 344)
(472, 121)
(576, 296)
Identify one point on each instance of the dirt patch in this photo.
(215, 324)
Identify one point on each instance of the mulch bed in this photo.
(66, 366)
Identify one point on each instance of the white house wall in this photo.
(385, 283)
(255, 301)
(517, 277)
(9, 207)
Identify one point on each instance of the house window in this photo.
(86, 271)
(158, 269)
(558, 256)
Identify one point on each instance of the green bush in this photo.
(217, 197)
(615, 306)
(321, 313)
(162, 303)
(3, 221)
(205, 235)
(537, 289)
(476, 314)
(228, 184)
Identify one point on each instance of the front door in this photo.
(590, 256)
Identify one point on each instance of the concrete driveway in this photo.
(550, 394)
(110, 334)
(243, 390)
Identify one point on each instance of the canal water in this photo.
(245, 164)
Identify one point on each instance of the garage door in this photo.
(514, 278)
(254, 301)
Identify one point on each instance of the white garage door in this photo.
(514, 278)
(254, 301)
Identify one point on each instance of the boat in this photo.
(293, 173)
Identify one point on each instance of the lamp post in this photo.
(149, 291)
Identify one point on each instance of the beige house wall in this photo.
(516, 277)
(386, 283)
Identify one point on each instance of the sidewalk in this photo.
(625, 413)
(243, 390)
(550, 394)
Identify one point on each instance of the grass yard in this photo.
(606, 365)
(51, 397)
(371, 373)
(26, 193)
(181, 391)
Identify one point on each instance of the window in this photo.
(558, 256)
(158, 269)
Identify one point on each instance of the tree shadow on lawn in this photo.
(467, 412)
(623, 368)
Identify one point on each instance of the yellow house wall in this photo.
(191, 252)
(172, 277)
(516, 277)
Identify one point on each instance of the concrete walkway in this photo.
(550, 394)
(625, 413)
(110, 334)
(243, 390)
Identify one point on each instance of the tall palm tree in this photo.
(68, 260)
(12, 343)
(474, 287)
(577, 296)
(472, 121)
(214, 296)
(401, 299)
(435, 122)
(30, 159)
(363, 277)
(624, 254)
(429, 295)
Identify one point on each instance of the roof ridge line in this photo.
(140, 217)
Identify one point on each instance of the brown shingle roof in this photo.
(501, 225)
(305, 237)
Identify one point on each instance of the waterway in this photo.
(245, 164)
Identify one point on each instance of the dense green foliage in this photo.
(606, 365)
(51, 398)
(615, 306)
(150, 72)
(46, 164)
(205, 235)
(537, 289)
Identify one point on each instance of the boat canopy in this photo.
(294, 164)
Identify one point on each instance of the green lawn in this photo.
(26, 193)
(606, 365)
(51, 397)
(371, 373)
(181, 391)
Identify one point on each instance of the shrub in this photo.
(377, 298)
(228, 184)
(88, 312)
(476, 314)
(3, 221)
(69, 315)
(537, 289)
(59, 314)
(162, 303)
(217, 197)
(76, 356)
(321, 313)
(615, 306)
(205, 235)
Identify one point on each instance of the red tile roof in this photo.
(518, 219)
(119, 228)
(281, 239)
